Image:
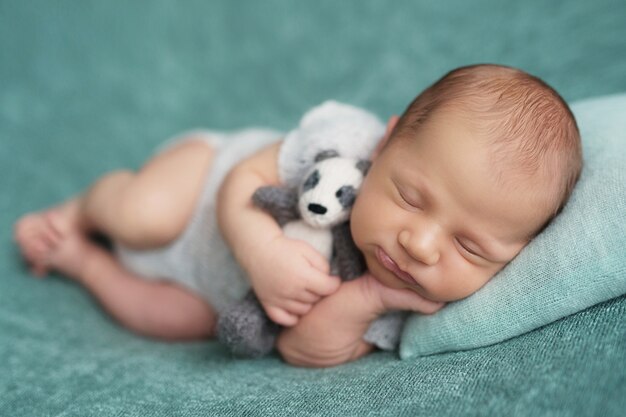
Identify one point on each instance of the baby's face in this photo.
(431, 216)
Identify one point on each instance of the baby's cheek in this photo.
(357, 224)
(470, 286)
(354, 230)
(459, 279)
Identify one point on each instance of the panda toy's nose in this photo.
(317, 208)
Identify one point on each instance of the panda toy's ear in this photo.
(326, 154)
(363, 165)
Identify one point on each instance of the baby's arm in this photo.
(288, 276)
(332, 332)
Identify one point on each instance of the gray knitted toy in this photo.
(318, 212)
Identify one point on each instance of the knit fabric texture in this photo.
(199, 259)
(578, 261)
(90, 86)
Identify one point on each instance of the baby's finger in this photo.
(322, 284)
(281, 316)
(406, 299)
(308, 297)
(316, 260)
(298, 308)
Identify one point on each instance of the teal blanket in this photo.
(90, 86)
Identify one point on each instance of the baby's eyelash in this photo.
(403, 197)
(468, 250)
(406, 200)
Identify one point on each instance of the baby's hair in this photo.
(529, 123)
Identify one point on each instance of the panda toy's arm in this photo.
(347, 258)
(280, 202)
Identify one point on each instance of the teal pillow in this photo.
(578, 261)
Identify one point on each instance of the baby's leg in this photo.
(152, 207)
(142, 210)
(150, 308)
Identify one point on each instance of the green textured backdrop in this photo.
(89, 86)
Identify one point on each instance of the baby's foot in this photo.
(40, 234)
(71, 254)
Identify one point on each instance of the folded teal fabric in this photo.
(578, 261)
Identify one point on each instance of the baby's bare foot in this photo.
(71, 254)
(40, 234)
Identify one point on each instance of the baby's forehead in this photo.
(513, 145)
(529, 130)
(472, 175)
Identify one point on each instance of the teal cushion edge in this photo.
(579, 260)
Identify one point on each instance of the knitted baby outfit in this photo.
(201, 261)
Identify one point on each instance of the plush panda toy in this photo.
(317, 212)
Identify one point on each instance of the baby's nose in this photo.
(317, 208)
(422, 248)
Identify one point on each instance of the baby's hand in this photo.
(385, 299)
(290, 276)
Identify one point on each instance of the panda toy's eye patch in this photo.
(312, 181)
(346, 196)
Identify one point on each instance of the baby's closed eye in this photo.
(409, 198)
(468, 247)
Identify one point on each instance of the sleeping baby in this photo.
(476, 166)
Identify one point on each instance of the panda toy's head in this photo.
(329, 189)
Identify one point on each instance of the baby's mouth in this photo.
(393, 267)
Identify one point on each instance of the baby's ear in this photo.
(391, 125)
(326, 154)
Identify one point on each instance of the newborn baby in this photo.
(475, 167)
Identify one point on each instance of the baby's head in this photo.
(478, 164)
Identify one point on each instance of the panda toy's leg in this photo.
(320, 239)
(246, 330)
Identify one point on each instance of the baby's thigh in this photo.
(164, 192)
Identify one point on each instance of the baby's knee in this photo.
(147, 219)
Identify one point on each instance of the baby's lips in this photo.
(391, 265)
